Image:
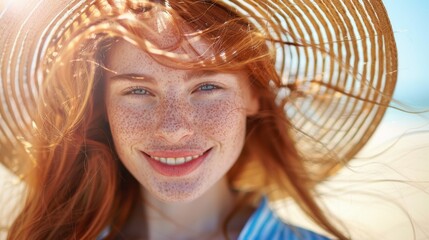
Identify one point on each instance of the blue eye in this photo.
(208, 87)
(138, 91)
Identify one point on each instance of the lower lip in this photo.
(176, 170)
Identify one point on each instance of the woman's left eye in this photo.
(137, 91)
(207, 87)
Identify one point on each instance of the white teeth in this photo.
(176, 161)
(171, 161)
(180, 160)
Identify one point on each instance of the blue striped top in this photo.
(264, 224)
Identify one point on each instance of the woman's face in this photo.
(177, 131)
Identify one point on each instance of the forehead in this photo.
(169, 43)
(124, 56)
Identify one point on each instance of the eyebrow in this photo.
(133, 77)
(199, 73)
(144, 77)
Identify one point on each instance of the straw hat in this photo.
(338, 85)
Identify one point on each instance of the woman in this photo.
(183, 119)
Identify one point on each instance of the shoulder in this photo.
(264, 224)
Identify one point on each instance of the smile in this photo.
(176, 161)
(165, 163)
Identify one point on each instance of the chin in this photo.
(177, 193)
(178, 197)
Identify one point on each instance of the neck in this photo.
(201, 218)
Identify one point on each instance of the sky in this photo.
(410, 22)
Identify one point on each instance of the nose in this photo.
(174, 122)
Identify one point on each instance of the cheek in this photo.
(128, 123)
(222, 119)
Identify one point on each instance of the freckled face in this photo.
(157, 113)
